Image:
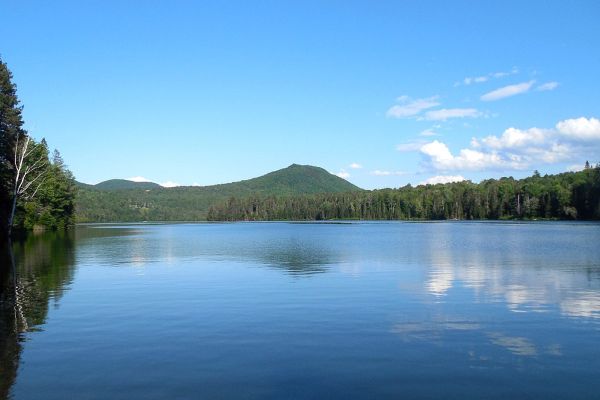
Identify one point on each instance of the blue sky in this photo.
(382, 93)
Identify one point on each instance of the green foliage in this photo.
(193, 203)
(53, 206)
(563, 196)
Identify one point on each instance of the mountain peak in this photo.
(301, 179)
(124, 184)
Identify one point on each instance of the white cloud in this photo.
(355, 166)
(434, 180)
(343, 174)
(138, 179)
(409, 107)
(507, 91)
(547, 86)
(169, 184)
(196, 184)
(513, 137)
(571, 140)
(580, 128)
(447, 113)
(378, 172)
(442, 159)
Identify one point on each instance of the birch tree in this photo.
(29, 171)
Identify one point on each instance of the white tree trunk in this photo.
(29, 173)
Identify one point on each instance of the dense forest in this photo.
(36, 188)
(572, 195)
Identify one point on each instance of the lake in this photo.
(359, 310)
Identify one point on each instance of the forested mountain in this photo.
(191, 203)
(310, 193)
(572, 195)
(120, 184)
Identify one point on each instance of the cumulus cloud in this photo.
(514, 138)
(447, 113)
(169, 184)
(138, 179)
(507, 91)
(580, 128)
(571, 140)
(442, 159)
(547, 86)
(434, 180)
(355, 166)
(410, 107)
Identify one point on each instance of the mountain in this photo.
(295, 179)
(120, 200)
(121, 184)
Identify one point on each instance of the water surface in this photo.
(309, 311)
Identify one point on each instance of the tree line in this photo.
(571, 195)
(36, 188)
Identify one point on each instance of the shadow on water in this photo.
(35, 271)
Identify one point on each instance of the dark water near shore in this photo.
(308, 311)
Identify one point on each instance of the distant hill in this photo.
(121, 184)
(295, 179)
(122, 200)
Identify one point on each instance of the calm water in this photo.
(306, 311)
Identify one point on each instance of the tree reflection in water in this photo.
(34, 271)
